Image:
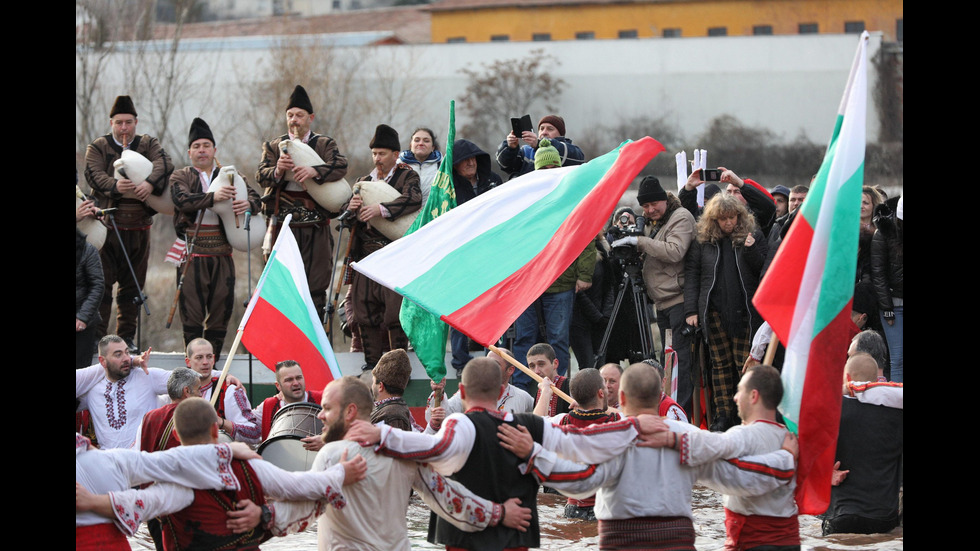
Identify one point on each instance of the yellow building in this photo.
(529, 20)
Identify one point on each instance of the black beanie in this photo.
(199, 130)
(299, 98)
(123, 105)
(650, 191)
(386, 137)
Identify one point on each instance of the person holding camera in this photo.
(668, 233)
(516, 154)
(722, 272)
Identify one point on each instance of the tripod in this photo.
(632, 282)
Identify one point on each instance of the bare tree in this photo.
(96, 32)
(158, 70)
(508, 88)
(393, 99)
(327, 76)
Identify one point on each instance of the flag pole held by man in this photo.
(281, 320)
(806, 295)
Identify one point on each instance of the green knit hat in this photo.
(546, 155)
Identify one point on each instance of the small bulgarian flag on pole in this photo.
(281, 322)
(480, 265)
(807, 292)
(426, 331)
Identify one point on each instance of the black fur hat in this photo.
(199, 130)
(386, 137)
(123, 105)
(299, 98)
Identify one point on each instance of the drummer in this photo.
(292, 390)
(235, 416)
(376, 307)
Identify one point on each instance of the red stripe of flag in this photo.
(479, 319)
(820, 413)
(285, 335)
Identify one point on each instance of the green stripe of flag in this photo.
(496, 254)
(276, 291)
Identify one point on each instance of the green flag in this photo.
(427, 333)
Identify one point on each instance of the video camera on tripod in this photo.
(626, 254)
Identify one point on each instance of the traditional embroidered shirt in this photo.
(234, 406)
(118, 407)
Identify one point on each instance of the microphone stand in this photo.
(140, 298)
(248, 256)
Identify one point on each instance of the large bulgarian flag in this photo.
(807, 292)
(426, 331)
(281, 323)
(480, 265)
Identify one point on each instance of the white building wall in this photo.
(788, 84)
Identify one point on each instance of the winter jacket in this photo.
(486, 179)
(89, 285)
(520, 160)
(701, 278)
(887, 255)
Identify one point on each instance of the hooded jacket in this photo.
(485, 177)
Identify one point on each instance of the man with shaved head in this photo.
(870, 451)
(513, 399)
(871, 342)
(466, 449)
(644, 494)
(611, 375)
(204, 519)
(374, 518)
(750, 521)
(589, 392)
(235, 413)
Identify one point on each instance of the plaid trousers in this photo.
(727, 352)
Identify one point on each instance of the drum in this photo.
(283, 448)
(224, 437)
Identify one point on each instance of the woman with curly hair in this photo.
(721, 273)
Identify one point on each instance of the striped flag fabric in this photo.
(807, 293)
(427, 332)
(480, 265)
(281, 323)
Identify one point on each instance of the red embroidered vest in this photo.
(154, 423)
(202, 525)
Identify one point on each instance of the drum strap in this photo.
(165, 437)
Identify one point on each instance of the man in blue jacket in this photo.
(516, 159)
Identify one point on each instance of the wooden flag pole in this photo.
(224, 371)
(529, 373)
(771, 351)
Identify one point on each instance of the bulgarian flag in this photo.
(480, 265)
(427, 333)
(807, 292)
(281, 323)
